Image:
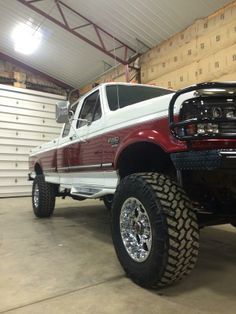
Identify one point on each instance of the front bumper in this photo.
(205, 160)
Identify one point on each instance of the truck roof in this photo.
(126, 84)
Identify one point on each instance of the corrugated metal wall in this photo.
(205, 51)
(27, 119)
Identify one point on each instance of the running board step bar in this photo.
(91, 192)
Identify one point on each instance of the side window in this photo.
(67, 126)
(91, 109)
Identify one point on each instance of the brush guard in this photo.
(205, 95)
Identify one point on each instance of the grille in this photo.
(227, 127)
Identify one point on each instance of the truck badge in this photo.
(114, 141)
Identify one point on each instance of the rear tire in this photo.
(108, 200)
(154, 230)
(43, 197)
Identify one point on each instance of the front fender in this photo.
(150, 136)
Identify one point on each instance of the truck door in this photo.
(62, 157)
(88, 134)
(64, 149)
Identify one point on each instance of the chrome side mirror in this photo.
(62, 111)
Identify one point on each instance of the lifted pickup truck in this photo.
(163, 161)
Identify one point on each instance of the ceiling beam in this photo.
(99, 32)
(22, 65)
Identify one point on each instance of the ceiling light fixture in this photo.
(26, 37)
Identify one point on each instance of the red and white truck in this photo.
(163, 161)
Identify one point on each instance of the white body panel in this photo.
(113, 120)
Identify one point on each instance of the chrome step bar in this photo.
(91, 192)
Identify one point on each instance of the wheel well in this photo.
(37, 168)
(143, 157)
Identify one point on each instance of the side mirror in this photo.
(62, 111)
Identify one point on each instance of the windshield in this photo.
(120, 96)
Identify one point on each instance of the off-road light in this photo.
(207, 128)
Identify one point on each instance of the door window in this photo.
(91, 109)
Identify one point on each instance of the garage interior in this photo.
(67, 264)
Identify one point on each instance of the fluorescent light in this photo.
(26, 38)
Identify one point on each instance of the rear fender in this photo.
(35, 165)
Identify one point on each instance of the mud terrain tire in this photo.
(174, 230)
(43, 197)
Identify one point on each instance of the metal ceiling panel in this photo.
(73, 61)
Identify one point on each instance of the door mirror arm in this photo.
(87, 122)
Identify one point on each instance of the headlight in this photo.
(217, 112)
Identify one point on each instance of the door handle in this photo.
(72, 137)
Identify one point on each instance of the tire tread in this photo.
(46, 198)
(181, 252)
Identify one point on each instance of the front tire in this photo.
(154, 230)
(43, 197)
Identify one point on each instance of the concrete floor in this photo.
(67, 264)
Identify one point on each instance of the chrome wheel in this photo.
(36, 195)
(135, 228)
